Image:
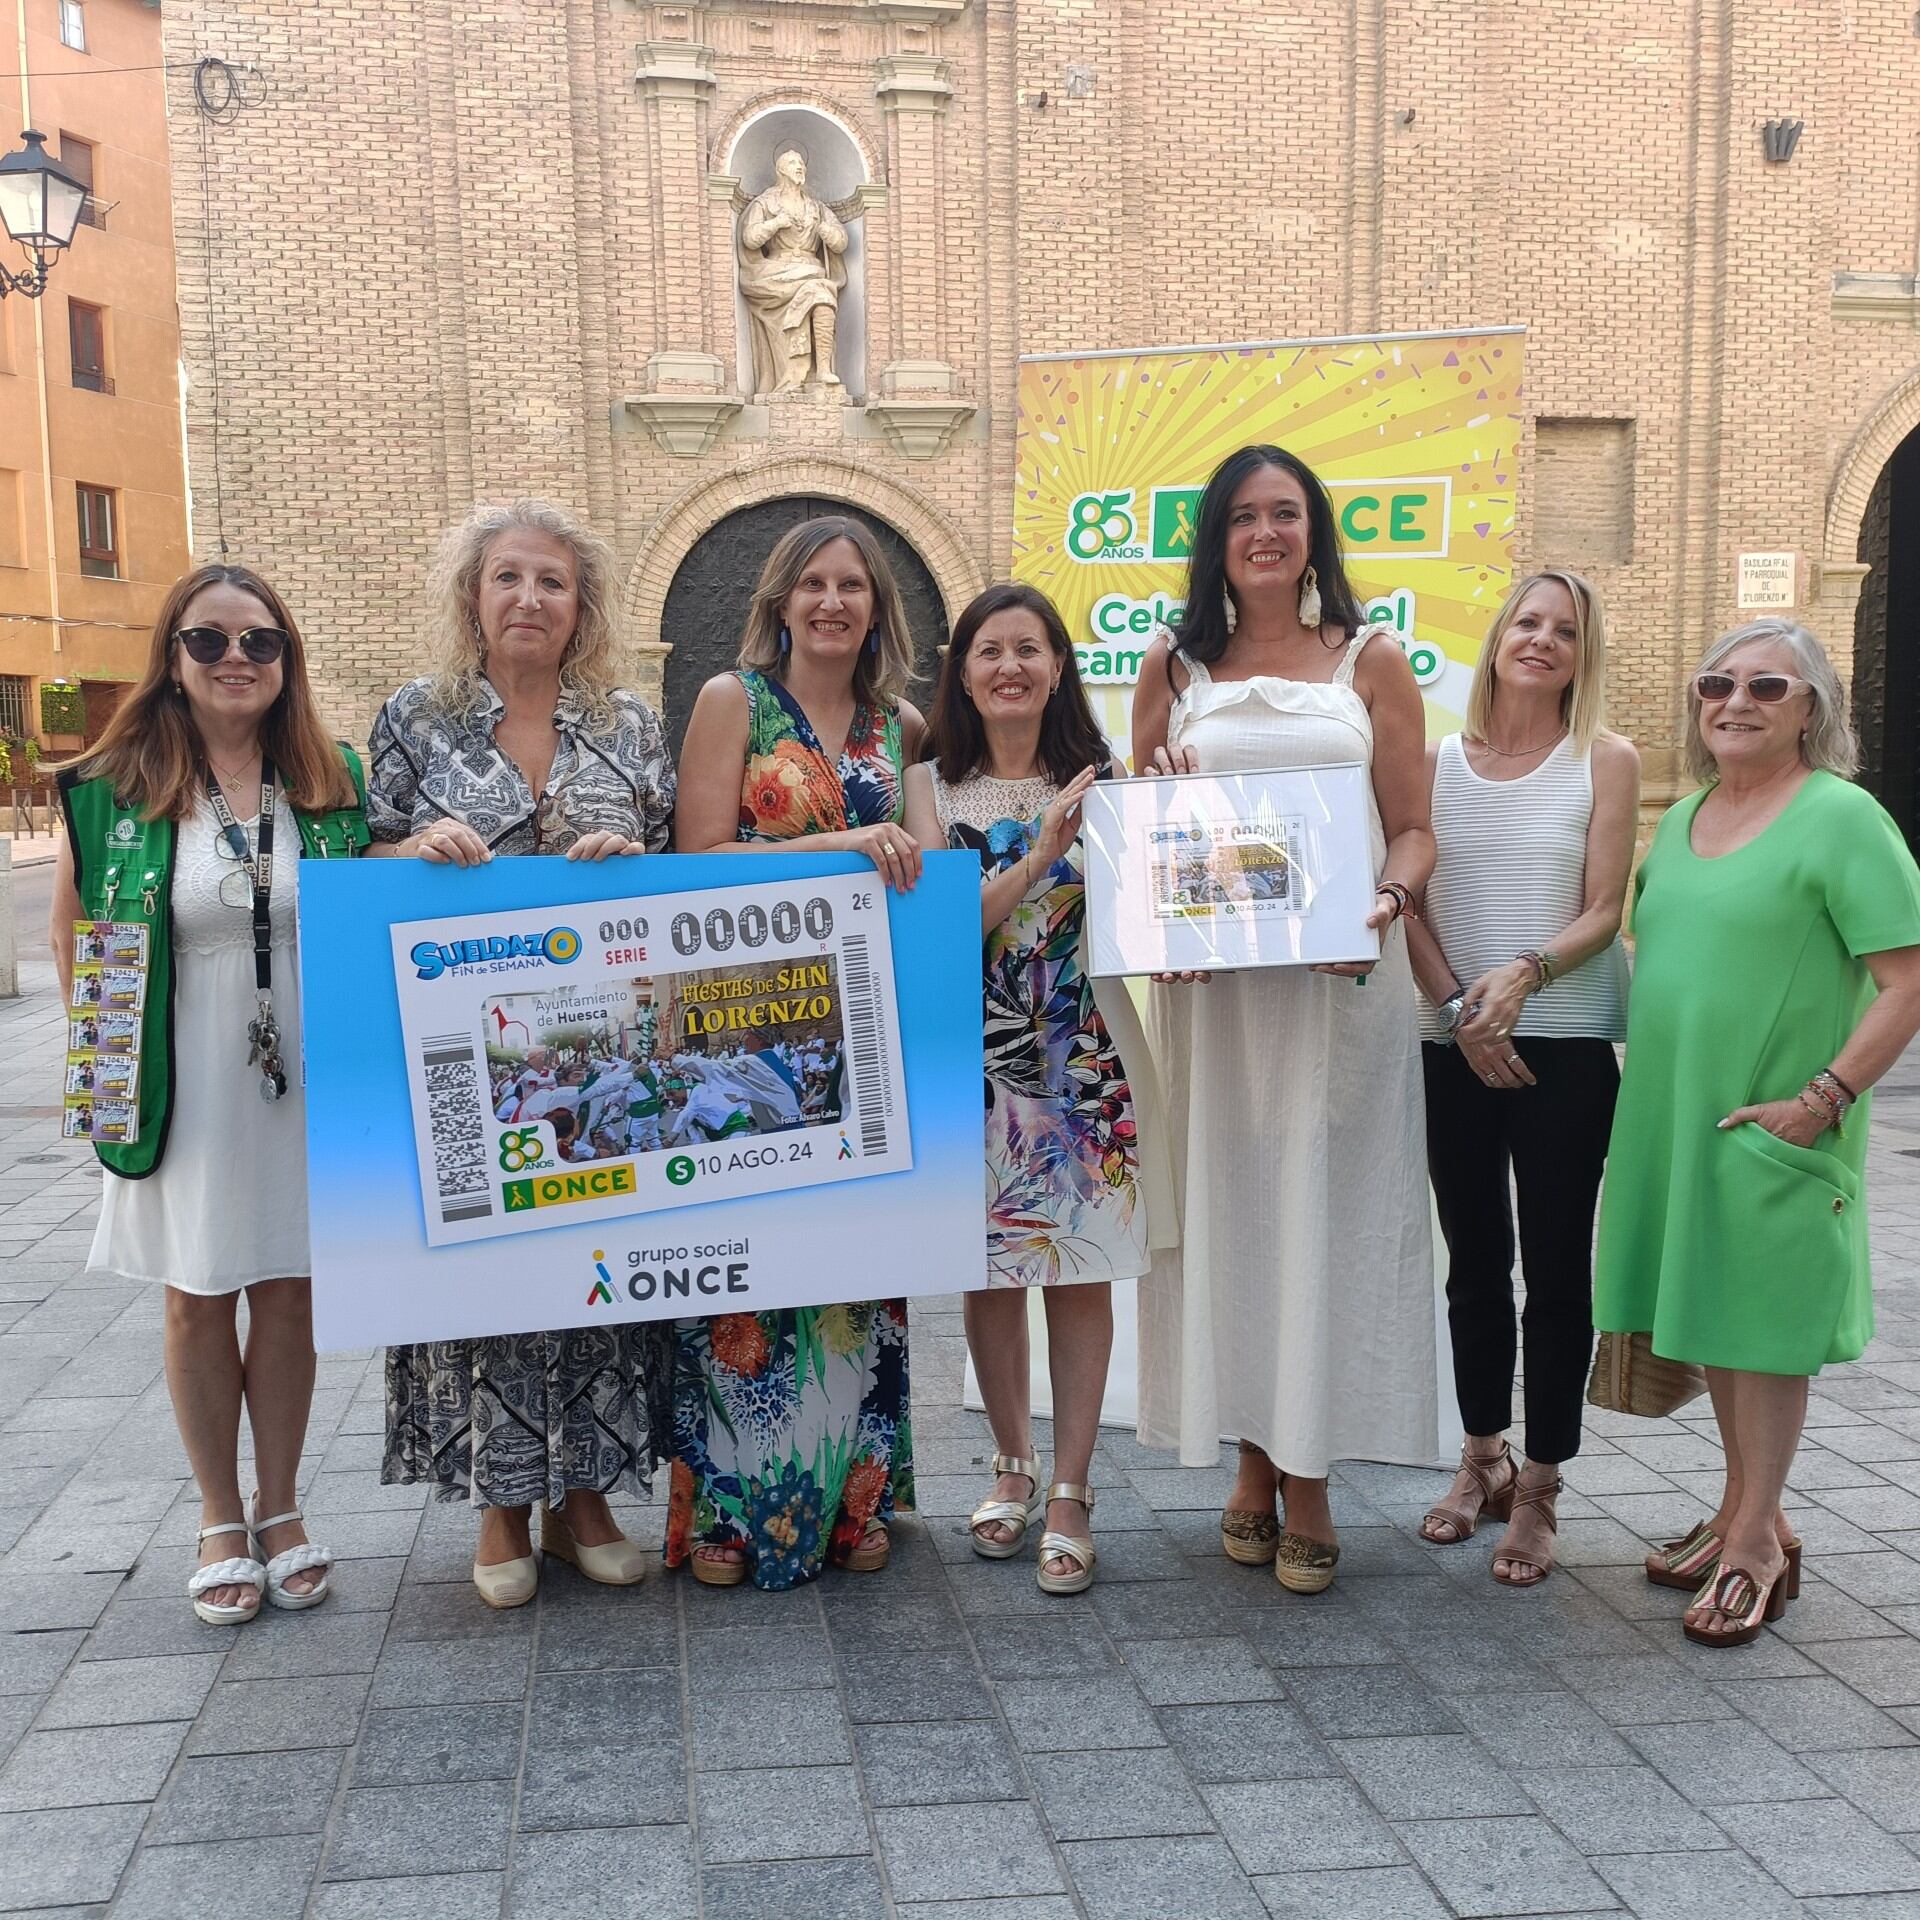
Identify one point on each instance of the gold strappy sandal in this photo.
(1067, 1546)
(1017, 1515)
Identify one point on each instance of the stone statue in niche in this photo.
(791, 249)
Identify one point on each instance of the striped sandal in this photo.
(1066, 1546)
(1736, 1595)
(1683, 1564)
(1015, 1515)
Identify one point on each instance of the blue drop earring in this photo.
(873, 639)
(786, 639)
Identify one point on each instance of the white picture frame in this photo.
(1214, 872)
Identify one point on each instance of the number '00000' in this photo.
(720, 930)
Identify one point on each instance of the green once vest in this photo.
(123, 870)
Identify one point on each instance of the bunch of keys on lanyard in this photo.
(263, 1035)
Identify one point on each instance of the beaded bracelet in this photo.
(1826, 1100)
(1543, 965)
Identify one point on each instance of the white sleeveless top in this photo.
(1511, 876)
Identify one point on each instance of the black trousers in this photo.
(1553, 1137)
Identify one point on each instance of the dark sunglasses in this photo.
(1767, 688)
(208, 645)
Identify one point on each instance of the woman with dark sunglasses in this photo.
(1776, 978)
(187, 820)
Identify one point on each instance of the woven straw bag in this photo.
(1629, 1377)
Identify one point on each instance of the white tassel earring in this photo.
(1233, 612)
(1309, 599)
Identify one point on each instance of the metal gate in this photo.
(707, 603)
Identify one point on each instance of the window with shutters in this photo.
(99, 533)
(87, 346)
(76, 155)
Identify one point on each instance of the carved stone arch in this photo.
(872, 154)
(1895, 416)
(671, 537)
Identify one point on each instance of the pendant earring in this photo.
(786, 639)
(1309, 599)
(1233, 612)
(873, 640)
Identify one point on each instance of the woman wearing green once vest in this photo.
(171, 823)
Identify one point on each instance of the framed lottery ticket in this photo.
(1218, 871)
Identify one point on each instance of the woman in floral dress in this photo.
(792, 1433)
(1012, 749)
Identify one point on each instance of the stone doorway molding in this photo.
(956, 572)
(1892, 418)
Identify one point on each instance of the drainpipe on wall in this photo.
(40, 374)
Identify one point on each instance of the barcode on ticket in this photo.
(456, 1117)
(863, 1018)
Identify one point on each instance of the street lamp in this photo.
(40, 204)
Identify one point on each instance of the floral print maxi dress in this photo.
(792, 1429)
(1063, 1154)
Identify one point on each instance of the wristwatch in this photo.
(1453, 1009)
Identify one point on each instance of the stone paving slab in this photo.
(941, 1741)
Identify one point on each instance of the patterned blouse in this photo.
(790, 787)
(610, 774)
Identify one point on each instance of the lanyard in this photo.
(263, 1036)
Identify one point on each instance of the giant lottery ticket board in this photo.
(1417, 437)
(545, 1094)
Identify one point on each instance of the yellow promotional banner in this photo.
(1415, 435)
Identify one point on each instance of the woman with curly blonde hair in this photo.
(521, 742)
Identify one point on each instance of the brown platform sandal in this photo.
(1247, 1534)
(1690, 1560)
(1495, 1503)
(1735, 1594)
(1685, 1562)
(1305, 1566)
(1543, 1497)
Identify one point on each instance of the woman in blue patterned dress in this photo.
(1012, 749)
(792, 1435)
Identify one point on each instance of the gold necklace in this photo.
(1520, 753)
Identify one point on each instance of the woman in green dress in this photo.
(1777, 977)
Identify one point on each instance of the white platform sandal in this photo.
(283, 1566)
(1016, 1515)
(1067, 1546)
(241, 1571)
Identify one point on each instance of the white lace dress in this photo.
(1298, 1312)
(227, 1204)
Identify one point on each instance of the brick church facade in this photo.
(464, 251)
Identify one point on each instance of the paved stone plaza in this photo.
(940, 1742)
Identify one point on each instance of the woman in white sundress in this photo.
(1298, 1314)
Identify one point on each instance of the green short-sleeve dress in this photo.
(1738, 1249)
